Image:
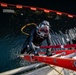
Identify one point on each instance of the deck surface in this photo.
(53, 70)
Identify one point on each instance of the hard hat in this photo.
(43, 28)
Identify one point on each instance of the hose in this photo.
(25, 27)
(56, 70)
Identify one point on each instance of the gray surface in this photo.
(50, 71)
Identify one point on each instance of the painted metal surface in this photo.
(64, 61)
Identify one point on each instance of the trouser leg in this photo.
(24, 47)
(48, 52)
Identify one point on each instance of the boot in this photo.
(48, 53)
(36, 53)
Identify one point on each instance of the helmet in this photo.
(43, 28)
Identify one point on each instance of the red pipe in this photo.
(60, 46)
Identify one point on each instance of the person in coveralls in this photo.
(36, 37)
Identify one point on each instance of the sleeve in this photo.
(48, 39)
(31, 45)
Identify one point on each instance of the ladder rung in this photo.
(69, 56)
(57, 55)
(74, 57)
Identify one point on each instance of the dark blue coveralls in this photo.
(35, 39)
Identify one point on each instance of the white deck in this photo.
(47, 70)
(50, 71)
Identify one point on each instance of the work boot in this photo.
(48, 54)
(36, 53)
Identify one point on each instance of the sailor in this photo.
(36, 37)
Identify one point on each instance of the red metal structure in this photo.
(62, 58)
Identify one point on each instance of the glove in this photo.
(37, 47)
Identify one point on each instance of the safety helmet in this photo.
(43, 28)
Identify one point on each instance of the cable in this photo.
(25, 27)
(56, 70)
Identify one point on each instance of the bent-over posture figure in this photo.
(37, 36)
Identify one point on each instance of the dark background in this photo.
(11, 37)
(67, 6)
